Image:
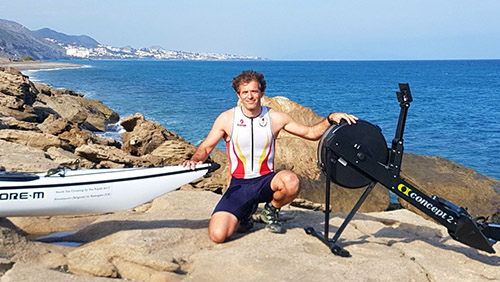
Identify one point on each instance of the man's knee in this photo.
(221, 226)
(217, 235)
(292, 183)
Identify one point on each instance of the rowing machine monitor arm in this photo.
(355, 156)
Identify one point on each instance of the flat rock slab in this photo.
(167, 241)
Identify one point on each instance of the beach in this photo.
(37, 65)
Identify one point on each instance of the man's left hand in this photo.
(337, 117)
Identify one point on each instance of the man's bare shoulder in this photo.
(275, 114)
(279, 120)
(226, 115)
(224, 119)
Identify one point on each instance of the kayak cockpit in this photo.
(17, 176)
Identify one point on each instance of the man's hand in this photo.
(337, 117)
(190, 164)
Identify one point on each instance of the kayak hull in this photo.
(90, 191)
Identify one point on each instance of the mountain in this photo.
(17, 41)
(77, 40)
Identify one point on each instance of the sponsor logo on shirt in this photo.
(241, 123)
(263, 121)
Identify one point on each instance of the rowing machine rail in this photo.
(355, 156)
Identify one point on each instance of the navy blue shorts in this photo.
(242, 194)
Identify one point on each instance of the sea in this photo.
(454, 114)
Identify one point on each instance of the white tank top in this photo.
(251, 146)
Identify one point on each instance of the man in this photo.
(250, 131)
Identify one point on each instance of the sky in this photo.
(279, 29)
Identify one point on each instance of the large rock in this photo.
(11, 238)
(77, 137)
(16, 90)
(107, 157)
(218, 180)
(299, 155)
(26, 101)
(13, 123)
(90, 114)
(174, 151)
(17, 157)
(54, 126)
(21, 115)
(457, 184)
(68, 159)
(432, 175)
(144, 136)
(32, 139)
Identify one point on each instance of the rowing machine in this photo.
(354, 156)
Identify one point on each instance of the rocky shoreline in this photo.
(165, 240)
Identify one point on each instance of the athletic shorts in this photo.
(242, 194)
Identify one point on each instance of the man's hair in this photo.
(246, 77)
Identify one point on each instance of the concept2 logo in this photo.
(425, 203)
(21, 196)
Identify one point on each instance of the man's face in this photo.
(250, 95)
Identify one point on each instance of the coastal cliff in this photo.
(165, 240)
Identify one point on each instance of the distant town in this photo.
(110, 52)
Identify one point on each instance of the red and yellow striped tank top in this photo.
(251, 146)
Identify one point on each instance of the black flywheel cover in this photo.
(363, 135)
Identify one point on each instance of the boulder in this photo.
(101, 154)
(432, 175)
(20, 98)
(299, 155)
(218, 180)
(54, 126)
(12, 123)
(143, 136)
(32, 139)
(17, 157)
(20, 115)
(11, 238)
(174, 151)
(16, 90)
(68, 159)
(128, 123)
(90, 114)
(458, 184)
(77, 137)
(49, 91)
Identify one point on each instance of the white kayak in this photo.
(85, 191)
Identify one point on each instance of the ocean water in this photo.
(455, 111)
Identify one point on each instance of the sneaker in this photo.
(270, 216)
(246, 222)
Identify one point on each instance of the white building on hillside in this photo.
(79, 52)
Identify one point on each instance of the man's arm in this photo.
(314, 132)
(218, 131)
